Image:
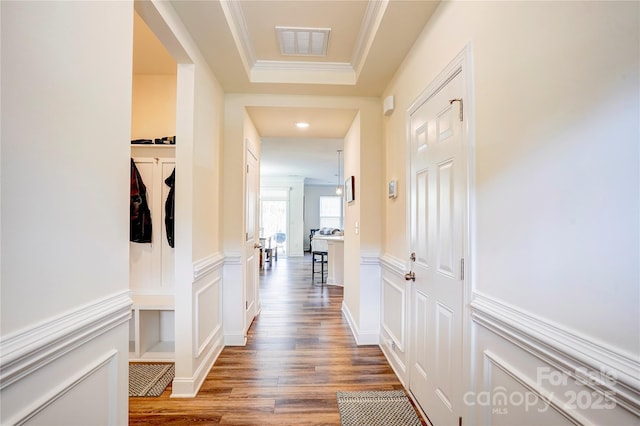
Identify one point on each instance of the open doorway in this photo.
(274, 219)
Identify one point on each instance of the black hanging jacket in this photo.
(140, 226)
(169, 207)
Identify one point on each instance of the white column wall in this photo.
(198, 282)
(65, 129)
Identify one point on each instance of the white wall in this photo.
(363, 226)
(66, 103)
(556, 191)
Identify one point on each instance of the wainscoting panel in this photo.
(49, 369)
(508, 397)
(207, 339)
(394, 330)
(394, 312)
(60, 405)
(207, 315)
(566, 378)
(233, 300)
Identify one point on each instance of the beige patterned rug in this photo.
(380, 408)
(149, 379)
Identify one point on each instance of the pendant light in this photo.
(339, 186)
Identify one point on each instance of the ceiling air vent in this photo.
(303, 41)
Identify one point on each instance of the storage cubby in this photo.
(152, 327)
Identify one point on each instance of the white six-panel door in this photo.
(438, 206)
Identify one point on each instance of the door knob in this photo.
(410, 276)
(256, 245)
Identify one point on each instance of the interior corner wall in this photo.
(65, 131)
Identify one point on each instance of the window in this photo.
(330, 212)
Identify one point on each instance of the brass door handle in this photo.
(410, 276)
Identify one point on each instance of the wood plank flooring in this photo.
(299, 352)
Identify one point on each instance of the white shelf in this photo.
(153, 328)
(153, 302)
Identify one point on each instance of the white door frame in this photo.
(462, 62)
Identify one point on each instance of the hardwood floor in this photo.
(299, 352)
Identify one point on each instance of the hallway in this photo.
(299, 352)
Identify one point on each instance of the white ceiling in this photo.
(367, 43)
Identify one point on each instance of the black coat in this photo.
(140, 226)
(170, 206)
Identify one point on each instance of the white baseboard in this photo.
(188, 387)
(362, 338)
(235, 339)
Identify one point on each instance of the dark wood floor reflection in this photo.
(299, 352)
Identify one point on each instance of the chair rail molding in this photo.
(26, 351)
(564, 349)
(393, 264)
(207, 264)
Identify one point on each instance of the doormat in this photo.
(380, 408)
(149, 379)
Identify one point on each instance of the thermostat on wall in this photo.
(393, 188)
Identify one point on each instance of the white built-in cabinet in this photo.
(151, 265)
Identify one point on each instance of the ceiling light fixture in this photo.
(302, 125)
(339, 186)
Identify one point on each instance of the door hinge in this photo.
(459, 421)
(246, 305)
(462, 269)
(247, 168)
(451, 101)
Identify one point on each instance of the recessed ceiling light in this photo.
(302, 125)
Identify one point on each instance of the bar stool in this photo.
(320, 257)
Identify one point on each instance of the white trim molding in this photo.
(188, 387)
(362, 338)
(207, 264)
(393, 264)
(491, 360)
(565, 350)
(26, 351)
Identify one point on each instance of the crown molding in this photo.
(370, 24)
(238, 25)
